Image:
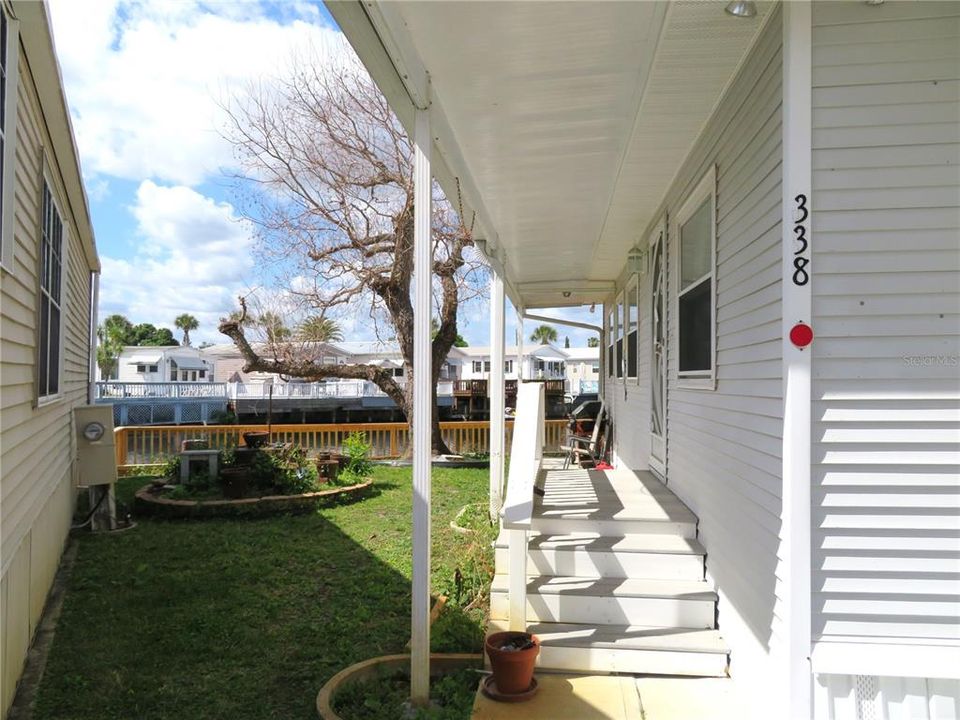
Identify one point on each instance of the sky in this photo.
(146, 82)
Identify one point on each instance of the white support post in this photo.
(422, 413)
(520, 358)
(517, 579)
(497, 394)
(797, 243)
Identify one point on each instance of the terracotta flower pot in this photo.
(512, 668)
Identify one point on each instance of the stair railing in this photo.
(526, 454)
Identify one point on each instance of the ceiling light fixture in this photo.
(741, 8)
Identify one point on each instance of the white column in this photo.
(797, 242)
(520, 358)
(497, 393)
(422, 414)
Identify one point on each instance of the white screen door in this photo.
(658, 364)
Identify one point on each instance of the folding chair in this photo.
(586, 446)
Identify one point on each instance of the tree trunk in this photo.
(437, 445)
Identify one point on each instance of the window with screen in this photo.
(696, 288)
(632, 323)
(51, 276)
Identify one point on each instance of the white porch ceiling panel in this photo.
(570, 119)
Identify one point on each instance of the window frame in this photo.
(620, 359)
(44, 296)
(706, 189)
(507, 367)
(632, 293)
(477, 366)
(611, 339)
(8, 131)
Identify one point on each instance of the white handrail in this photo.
(525, 458)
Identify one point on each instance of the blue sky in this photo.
(145, 82)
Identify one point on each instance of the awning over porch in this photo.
(560, 124)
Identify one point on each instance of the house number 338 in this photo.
(801, 259)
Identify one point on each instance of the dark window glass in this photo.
(696, 328)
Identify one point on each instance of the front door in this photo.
(658, 364)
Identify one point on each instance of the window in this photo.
(51, 275)
(9, 57)
(478, 366)
(619, 357)
(203, 374)
(141, 368)
(632, 322)
(398, 372)
(508, 366)
(173, 372)
(595, 367)
(486, 365)
(696, 305)
(611, 340)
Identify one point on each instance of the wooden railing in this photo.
(152, 444)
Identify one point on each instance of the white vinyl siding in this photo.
(9, 74)
(37, 444)
(886, 298)
(724, 446)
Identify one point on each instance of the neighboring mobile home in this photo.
(768, 208)
(49, 263)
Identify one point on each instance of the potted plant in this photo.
(512, 657)
(256, 438)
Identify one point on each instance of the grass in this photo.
(249, 618)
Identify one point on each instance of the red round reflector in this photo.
(801, 335)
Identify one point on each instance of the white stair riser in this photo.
(610, 610)
(586, 563)
(611, 528)
(609, 660)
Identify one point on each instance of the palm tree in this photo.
(111, 337)
(186, 322)
(593, 342)
(274, 327)
(544, 334)
(319, 329)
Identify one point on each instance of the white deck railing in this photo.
(160, 390)
(318, 390)
(526, 454)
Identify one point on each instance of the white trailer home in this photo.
(48, 265)
(765, 198)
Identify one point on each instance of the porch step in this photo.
(615, 503)
(665, 557)
(628, 648)
(611, 601)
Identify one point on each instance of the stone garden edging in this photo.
(148, 502)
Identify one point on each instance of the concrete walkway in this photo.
(623, 697)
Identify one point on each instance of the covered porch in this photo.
(572, 135)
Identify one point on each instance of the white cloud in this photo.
(144, 79)
(193, 255)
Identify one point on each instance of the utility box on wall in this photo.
(96, 448)
(97, 462)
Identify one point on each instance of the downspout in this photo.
(94, 320)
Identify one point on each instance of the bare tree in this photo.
(334, 207)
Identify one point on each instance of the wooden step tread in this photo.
(626, 637)
(611, 587)
(593, 542)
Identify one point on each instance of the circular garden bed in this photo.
(151, 501)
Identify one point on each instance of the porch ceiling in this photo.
(565, 121)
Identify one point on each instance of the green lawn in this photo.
(249, 618)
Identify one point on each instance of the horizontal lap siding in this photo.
(723, 445)
(629, 399)
(37, 442)
(886, 452)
